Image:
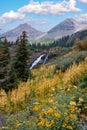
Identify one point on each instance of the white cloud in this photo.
(46, 7)
(83, 1)
(9, 16)
(81, 17)
(49, 7)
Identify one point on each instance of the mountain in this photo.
(68, 41)
(66, 27)
(13, 34)
(78, 35)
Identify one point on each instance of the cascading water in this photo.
(45, 59)
(38, 60)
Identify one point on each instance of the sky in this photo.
(40, 14)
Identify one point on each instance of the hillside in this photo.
(13, 34)
(64, 100)
(66, 27)
(65, 91)
(69, 40)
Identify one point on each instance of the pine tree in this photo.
(12, 81)
(21, 58)
(4, 59)
(6, 52)
(4, 62)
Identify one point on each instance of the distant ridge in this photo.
(66, 27)
(13, 34)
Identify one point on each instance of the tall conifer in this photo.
(4, 59)
(21, 58)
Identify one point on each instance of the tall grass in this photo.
(42, 84)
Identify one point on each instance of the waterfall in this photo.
(38, 60)
(45, 59)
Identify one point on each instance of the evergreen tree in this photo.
(4, 59)
(21, 58)
(6, 51)
(12, 81)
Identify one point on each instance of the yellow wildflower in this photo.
(41, 123)
(43, 113)
(50, 111)
(72, 109)
(55, 108)
(66, 112)
(73, 103)
(29, 122)
(57, 115)
(48, 124)
(52, 122)
(73, 117)
(69, 127)
(36, 108)
(66, 119)
(64, 125)
(18, 125)
(51, 101)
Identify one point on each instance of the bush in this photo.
(83, 84)
(81, 44)
(65, 62)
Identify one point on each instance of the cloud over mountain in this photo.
(8, 16)
(45, 7)
(49, 7)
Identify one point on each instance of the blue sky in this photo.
(41, 14)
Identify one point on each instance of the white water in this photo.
(36, 61)
(45, 59)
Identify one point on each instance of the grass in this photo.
(47, 102)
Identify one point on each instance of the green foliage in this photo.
(12, 81)
(81, 44)
(66, 61)
(4, 59)
(39, 46)
(21, 68)
(83, 84)
(58, 51)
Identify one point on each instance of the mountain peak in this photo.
(24, 24)
(69, 19)
(16, 32)
(64, 28)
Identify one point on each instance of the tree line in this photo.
(12, 71)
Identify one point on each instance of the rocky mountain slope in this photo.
(66, 27)
(13, 34)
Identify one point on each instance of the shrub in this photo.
(66, 61)
(83, 84)
(81, 44)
